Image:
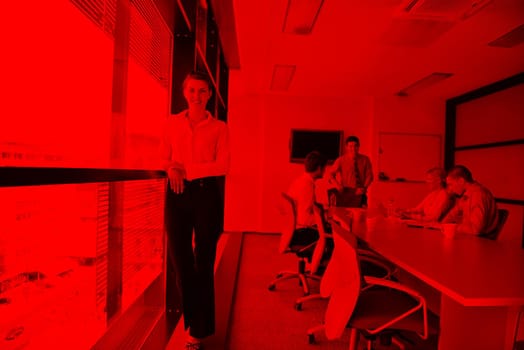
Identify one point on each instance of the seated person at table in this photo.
(437, 203)
(302, 190)
(475, 210)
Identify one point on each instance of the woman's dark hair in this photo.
(438, 173)
(314, 161)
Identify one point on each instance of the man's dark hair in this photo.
(314, 161)
(197, 75)
(353, 139)
(460, 171)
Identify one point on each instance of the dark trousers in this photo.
(348, 198)
(198, 210)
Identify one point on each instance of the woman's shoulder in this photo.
(441, 193)
(176, 118)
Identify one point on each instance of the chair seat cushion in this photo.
(299, 250)
(302, 238)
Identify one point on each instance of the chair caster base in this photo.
(271, 287)
(311, 338)
(298, 306)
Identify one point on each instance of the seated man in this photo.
(302, 190)
(475, 210)
(437, 203)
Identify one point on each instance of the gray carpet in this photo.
(263, 319)
(267, 320)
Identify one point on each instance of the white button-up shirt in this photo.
(302, 190)
(202, 150)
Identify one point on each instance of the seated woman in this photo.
(437, 203)
(302, 191)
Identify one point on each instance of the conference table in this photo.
(481, 282)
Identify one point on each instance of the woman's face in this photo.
(196, 93)
(433, 182)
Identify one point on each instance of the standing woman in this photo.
(195, 152)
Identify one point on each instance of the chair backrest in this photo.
(289, 222)
(318, 253)
(344, 271)
(502, 217)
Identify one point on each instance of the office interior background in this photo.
(87, 85)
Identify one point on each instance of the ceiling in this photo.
(355, 50)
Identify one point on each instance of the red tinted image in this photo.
(280, 174)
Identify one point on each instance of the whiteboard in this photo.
(408, 156)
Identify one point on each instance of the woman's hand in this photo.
(176, 179)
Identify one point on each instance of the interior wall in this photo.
(413, 115)
(243, 183)
(496, 117)
(260, 127)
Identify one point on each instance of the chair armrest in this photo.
(378, 263)
(366, 252)
(371, 256)
(402, 288)
(395, 285)
(309, 246)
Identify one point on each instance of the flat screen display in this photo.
(327, 142)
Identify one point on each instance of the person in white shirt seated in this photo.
(437, 203)
(302, 190)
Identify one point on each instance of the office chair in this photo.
(369, 306)
(303, 252)
(320, 258)
(502, 217)
(370, 265)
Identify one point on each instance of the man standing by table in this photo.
(352, 174)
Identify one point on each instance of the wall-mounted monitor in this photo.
(327, 142)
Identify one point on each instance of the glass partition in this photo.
(55, 260)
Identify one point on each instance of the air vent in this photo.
(415, 32)
(282, 77)
(445, 9)
(101, 12)
(419, 23)
(424, 83)
(510, 39)
(301, 16)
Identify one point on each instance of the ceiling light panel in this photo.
(510, 39)
(424, 83)
(301, 16)
(282, 77)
